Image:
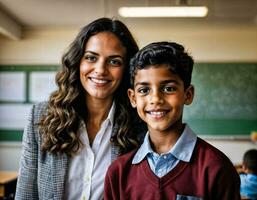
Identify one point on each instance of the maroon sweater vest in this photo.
(208, 175)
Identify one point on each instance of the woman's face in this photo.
(102, 66)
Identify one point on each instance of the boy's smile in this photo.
(159, 97)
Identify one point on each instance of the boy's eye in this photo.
(115, 62)
(143, 90)
(168, 89)
(90, 58)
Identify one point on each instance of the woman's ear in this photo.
(189, 95)
(132, 98)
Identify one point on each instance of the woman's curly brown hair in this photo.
(66, 106)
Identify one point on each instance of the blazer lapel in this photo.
(115, 149)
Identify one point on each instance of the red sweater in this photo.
(208, 175)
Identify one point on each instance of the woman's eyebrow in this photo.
(116, 56)
(111, 56)
(91, 52)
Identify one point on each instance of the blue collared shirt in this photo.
(161, 164)
(248, 185)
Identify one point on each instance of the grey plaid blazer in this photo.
(42, 175)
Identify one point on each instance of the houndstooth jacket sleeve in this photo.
(41, 175)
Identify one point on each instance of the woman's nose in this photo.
(100, 67)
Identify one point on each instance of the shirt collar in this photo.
(144, 149)
(110, 116)
(182, 150)
(184, 147)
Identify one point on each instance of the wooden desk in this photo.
(8, 182)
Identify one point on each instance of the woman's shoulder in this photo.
(39, 109)
(41, 106)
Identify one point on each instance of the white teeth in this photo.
(157, 113)
(100, 81)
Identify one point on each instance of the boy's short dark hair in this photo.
(170, 53)
(250, 160)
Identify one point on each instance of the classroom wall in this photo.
(206, 43)
(216, 43)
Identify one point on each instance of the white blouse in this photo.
(88, 168)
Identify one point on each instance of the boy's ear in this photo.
(245, 168)
(189, 95)
(132, 98)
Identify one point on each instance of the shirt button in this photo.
(164, 156)
(87, 179)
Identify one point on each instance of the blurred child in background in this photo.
(248, 178)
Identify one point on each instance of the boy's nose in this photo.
(156, 98)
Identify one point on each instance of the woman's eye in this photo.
(169, 89)
(90, 58)
(115, 62)
(143, 90)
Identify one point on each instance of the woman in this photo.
(71, 140)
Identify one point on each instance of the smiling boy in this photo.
(172, 163)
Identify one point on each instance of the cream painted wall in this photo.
(38, 46)
(216, 43)
(206, 44)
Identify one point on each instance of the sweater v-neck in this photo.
(161, 182)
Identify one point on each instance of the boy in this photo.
(172, 163)
(248, 178)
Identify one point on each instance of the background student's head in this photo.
(250, 161)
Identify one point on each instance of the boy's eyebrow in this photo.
(169, 81)
(141, 83)
(162, 82)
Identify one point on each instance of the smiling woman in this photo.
(101, 68)
(71, 140)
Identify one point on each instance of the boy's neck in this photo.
(162, 142)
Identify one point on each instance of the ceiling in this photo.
(17, 15)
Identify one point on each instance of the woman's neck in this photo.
(97, 112)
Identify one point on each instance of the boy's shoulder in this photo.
(208, 154)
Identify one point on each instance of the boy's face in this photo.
(159, 98)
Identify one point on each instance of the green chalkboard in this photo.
(225, 100)
(13, 134)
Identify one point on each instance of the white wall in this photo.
(215, 43)
(10, 153)
(234, 150)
